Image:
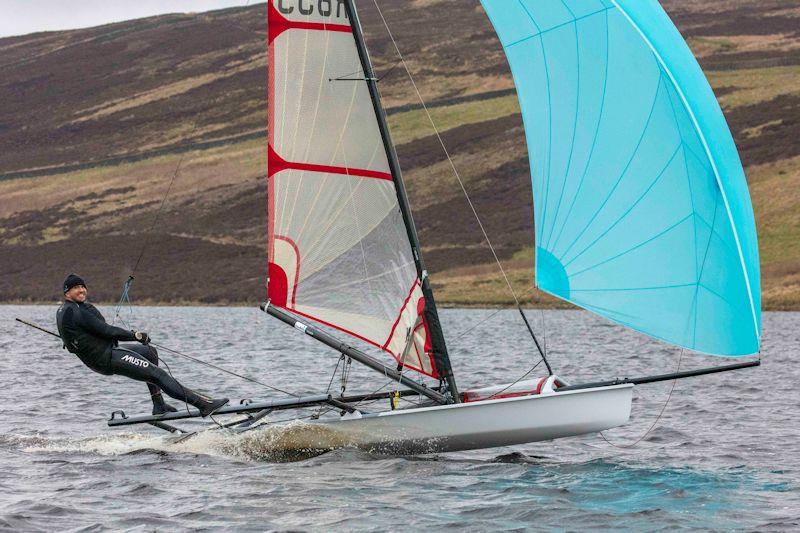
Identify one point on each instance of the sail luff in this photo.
(438, 343)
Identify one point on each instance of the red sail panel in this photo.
(338, 248)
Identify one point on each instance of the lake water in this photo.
(724, 455)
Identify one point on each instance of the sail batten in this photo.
(642, 213)
(340, 251)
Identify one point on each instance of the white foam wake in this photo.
(287, 442)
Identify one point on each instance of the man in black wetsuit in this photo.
(85, 333)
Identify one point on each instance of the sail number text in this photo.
(325, 8)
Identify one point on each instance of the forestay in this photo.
(339, 251)
(642, 208)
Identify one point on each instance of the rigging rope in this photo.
(129, 282)
(447, 154)
(481, 322)
(185, 402)
(345, 374)
(523, 376)
(333, 375)
(226, 371)
(376, 391)
(127, 286)
(461, 184)
(160, 208)
(388, 72)
(653, 425)
(544, 331)
(122, 300)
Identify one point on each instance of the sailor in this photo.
(85, 333)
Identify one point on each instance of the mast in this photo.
(438, 344)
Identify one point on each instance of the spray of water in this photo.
(292, 441)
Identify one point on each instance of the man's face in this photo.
(76, 294)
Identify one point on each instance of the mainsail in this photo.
(341, 240)
(642, 209)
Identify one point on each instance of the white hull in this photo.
(467, 426)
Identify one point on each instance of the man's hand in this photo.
(142, 337)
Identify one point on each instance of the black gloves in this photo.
(142, 337)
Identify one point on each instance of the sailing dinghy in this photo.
(642, 216)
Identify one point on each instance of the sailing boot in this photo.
(160, 407)
(207, 406)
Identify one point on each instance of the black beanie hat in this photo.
(71, 281)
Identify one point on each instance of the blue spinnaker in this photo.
(642, 211)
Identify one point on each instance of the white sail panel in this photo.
(338, 247)
(318, 119)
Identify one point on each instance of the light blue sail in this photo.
(642, 211)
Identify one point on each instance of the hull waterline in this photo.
(467, 426)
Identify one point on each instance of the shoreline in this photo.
(441, 305)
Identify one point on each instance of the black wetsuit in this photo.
(85, 333)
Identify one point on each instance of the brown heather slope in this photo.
(95, 122)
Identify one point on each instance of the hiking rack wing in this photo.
(118, 418)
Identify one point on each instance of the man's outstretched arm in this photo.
(100, 328)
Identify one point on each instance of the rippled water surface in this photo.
(724, 455)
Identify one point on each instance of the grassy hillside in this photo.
(95, 122)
